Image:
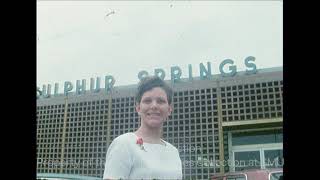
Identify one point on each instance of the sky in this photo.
(88, 39)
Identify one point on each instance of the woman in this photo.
(143, 154)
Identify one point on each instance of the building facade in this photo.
(219, 124)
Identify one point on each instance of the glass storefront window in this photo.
(273, 158)
(264, 137)
(236, 177)
(247, 160)
(276, 176)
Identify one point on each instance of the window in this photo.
(273, 158)
(236, 177)
(246, 138)
(276, 176)
(246, 160)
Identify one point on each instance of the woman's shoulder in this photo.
(124, 138)
(169, 145)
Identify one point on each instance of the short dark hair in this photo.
(149, 82)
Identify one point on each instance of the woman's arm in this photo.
(118, 160)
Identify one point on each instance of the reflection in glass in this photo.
(264, 137)
(237, 177)
(246, 160)
(273, 158)
(276, 176)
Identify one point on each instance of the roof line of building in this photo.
(217, 76)
(182, 80)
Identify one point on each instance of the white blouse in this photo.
(125, 159)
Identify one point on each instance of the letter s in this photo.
(250, 65)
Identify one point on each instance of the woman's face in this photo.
(154, 107)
